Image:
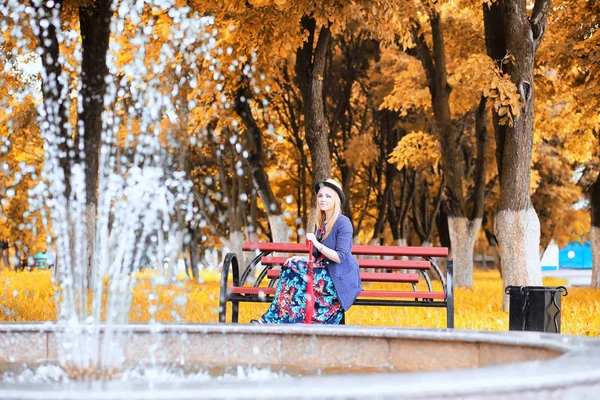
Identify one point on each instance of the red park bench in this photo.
(240, 293)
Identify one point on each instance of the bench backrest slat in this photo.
(356, 249)
(365, 263)
(369, 277)
(269, 246)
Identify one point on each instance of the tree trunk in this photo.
(256, 161)
(6, 259)
(401, 242)
(518, 234)
(187, 259)
(57, 134)
(94, 24)
(310, 65)
(382, 215)
(234, 244)
(4, 255)
(517, 226)
(453, 171)
(160, 252)
(194, 256)
(493, 242)
(463, 233)
(175, 247)
(462, 227)
(348, 175)
(595, 234)
(279, 228)
(90, 216)
(55, 102)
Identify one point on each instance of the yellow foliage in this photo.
(534, 180)
(360, 149)
(21, 157)
(28, 296)
(410, 90)
(417, 150)
(480, 71)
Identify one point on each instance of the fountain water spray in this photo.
(143, 191)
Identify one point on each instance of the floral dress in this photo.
(289, 303)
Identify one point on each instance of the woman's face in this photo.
(326, 198)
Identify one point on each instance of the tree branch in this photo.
(418, 215)
(538, 20)
(320, 53)
(422, 53)
(438, 203)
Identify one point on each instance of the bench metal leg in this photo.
(235, 307)
(223, 308)
(223, 294)
(450, 294)
(230, 262)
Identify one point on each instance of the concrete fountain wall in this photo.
(335, 362)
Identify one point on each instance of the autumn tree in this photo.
(286, 102)
(572, 51)
(94, 27)
(279, 30)
(511, 32)
(348, 106)
(48, 20)
(21, 157)
(462, 85)
(391, 123)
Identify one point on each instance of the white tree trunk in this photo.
(279, 229)
(160, 252)
(463, 233)
(497, 260)
(518, 234)
(440, 261)
(596, 257)
(234, 245)
(401, 242)
(175, 247)
(373, 242)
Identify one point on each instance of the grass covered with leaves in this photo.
(29, 296)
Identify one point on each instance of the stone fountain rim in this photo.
(550, 341)
(578, 367)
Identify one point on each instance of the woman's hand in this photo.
(313, 239)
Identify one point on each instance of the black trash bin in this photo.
(535, 308)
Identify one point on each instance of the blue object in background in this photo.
(575, 255)
(41, 260)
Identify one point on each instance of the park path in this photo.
(576, 277)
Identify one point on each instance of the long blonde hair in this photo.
(321, 216)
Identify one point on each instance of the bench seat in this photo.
(369, 277)
(268, 291)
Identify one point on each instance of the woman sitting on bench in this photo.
(336, 273)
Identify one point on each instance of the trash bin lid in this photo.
(523, 289)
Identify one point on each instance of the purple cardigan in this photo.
(346, 274)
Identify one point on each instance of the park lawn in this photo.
(29, 296)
